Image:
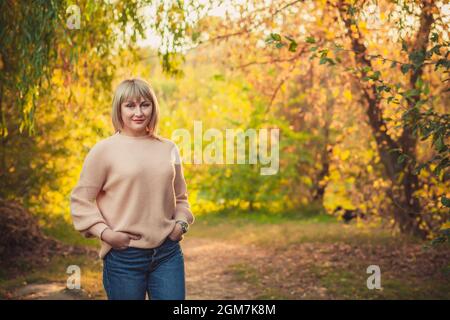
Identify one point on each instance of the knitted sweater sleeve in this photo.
(85, 213)
(182, 209)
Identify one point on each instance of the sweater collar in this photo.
(126, 137)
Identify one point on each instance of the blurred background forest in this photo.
(358, 89)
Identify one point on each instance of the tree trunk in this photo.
(327, 148)
(407, 208)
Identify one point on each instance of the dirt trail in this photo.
(227, 270)
(208, 275)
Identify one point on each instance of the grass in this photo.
(245, 273)
(60, 229)
(285, 230)
(56, 272)
(263, 229)
(343, 284)
(282, 231)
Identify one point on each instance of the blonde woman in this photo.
(132, 195)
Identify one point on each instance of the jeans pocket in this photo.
(173, 241)
(117, 252)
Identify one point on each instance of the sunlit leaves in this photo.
(276, 39)
(310, 40)
(445, 201)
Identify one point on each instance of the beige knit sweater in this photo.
(131, 184)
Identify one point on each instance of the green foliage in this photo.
(28, 48)
(240, 184)
(65, 84)
(425, 123)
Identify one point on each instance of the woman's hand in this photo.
(177, 233)
(117, 239)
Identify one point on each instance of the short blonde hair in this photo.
(135, 88)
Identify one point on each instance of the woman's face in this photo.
(136, 115)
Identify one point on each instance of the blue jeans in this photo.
(131, 273)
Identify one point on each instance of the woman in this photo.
(132, 195)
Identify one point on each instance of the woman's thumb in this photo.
(134, 236)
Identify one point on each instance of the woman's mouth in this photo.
(139, 121)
